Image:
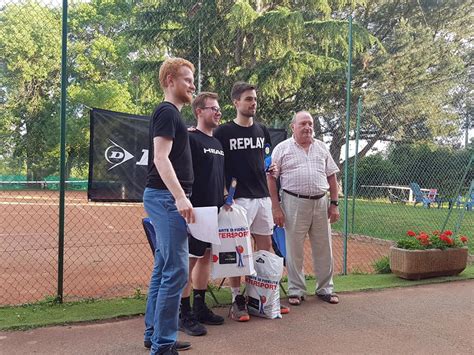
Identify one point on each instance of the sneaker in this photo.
(179, 345)
(203, 314)
(190, 325)
(169, 351)
(182, 345)
(238, 310)
(284, 309)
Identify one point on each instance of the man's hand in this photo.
(273, 170)
(185, 209)
(228, 207)
(333, 213)
(278, 216)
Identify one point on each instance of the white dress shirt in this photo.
(302, 172)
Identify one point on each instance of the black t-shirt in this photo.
(166, 121)
(244, 157)
(208, 167)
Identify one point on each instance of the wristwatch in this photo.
(335, 203)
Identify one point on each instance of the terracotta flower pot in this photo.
(421, 264)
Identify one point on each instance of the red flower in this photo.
(448, 233)
(425, 241)
(410, 233)
(463, 239)
(444, 238)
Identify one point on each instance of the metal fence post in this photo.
(346, 162)
(62, 173)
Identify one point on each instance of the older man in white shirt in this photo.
(307, 171)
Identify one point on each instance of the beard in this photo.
(248, 113)
(185, 97)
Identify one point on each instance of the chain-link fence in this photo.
(409, 181)
(296, 53)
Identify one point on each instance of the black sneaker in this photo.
(203, 314)
(179, 345)
(169, 351)
(190, 325)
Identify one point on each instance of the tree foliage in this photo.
(411, 64)
(30, 85)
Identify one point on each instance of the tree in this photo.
(29, 73)
(410, 63)
(99, 69)
(411, 92)
(283, 46)
(98, 76)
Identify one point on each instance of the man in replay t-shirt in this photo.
(244, 141)
(208, 190)
(166, 201)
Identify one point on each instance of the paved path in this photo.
(430, 319)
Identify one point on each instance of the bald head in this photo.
(300, 114)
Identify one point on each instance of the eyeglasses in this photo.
(213, 108)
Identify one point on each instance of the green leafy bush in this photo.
(382, 265)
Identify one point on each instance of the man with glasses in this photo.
(208, 190)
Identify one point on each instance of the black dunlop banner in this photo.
(118, 155)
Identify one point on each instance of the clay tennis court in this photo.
(106, 251)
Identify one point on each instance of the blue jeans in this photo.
(170, 271)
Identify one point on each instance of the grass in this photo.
(47, 312)
(391, 221)
(50, 313)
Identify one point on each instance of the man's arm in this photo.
(161, 149)
(278, 216)
(333, 211)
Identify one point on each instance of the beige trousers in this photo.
(308, 217)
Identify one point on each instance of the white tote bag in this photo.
(263, 288)
(233, 257)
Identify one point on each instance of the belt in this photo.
(315, 197)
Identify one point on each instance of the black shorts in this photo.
(197, 248)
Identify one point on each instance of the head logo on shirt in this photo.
(213, 151)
